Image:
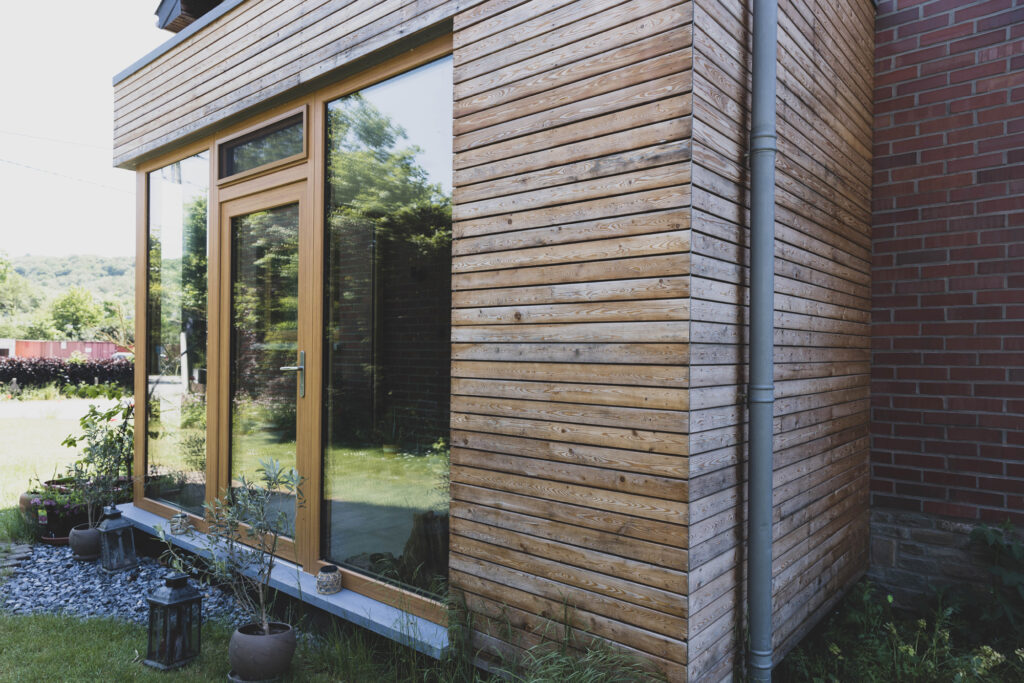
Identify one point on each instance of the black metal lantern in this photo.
(175, 623)
(117, 542)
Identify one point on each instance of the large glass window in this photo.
(176, 317)
(387, 328)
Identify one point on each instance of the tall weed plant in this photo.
(867, 640)
(1004, 552)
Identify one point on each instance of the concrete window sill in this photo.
(390, 622)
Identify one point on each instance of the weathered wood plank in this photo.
(560, 352)
(496, 621)
(669, 443)
(604, 43)
(659, 88)
(642, 484)
(569, 534)
(590, 312)
(672, 537)
(621, 251)
(534, 595)
(582, 414)
(641, 62)
(629, 266)
(623, 375)
(653, 464)
(589, 189)
(599, 394)
(550, 164)
(536, 185)
(589, 333)
(617, 290)
(603, 573)
(665, 197)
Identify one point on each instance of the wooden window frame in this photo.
(308, 167)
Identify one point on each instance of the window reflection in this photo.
(264, 337)
(273, 143)
(387, 317)
(176, 334)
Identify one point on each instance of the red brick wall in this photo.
(948, 330)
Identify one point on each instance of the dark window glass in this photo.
(387, 329)
(277, 141)
(176, 334)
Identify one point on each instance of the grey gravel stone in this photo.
(49, 580)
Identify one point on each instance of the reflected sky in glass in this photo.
(409, 101)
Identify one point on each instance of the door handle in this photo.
(301, 369)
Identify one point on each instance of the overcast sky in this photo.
(61, 195)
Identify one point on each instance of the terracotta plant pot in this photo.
(85, 542)
(256, 656)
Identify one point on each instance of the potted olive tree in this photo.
(241, 543)
(102, 476)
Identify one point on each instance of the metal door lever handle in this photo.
(301, 369)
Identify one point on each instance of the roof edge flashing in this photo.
(184, 34)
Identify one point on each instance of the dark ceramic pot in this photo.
(54, 540)
(85, 542)
(256, 656)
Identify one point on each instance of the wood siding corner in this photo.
(571, 323)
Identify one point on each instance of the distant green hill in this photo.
(107, 277)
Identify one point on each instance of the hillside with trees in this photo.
(67, 298)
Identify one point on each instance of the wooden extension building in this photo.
(477, 269)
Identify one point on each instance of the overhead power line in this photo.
(67, 177)
(63, 142)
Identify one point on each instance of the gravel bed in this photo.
(50, 580)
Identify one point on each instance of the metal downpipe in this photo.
(761, 395)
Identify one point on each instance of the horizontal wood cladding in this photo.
(259, 50)
(822, 302)
(571, 323)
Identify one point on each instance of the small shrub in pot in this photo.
(240, 551)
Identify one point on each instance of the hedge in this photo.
(35, 372)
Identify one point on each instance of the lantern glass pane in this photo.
(156, 634)
(195, 626)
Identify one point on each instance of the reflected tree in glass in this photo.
(176, 334)
(271, 144)
(264, 337)
(387, 338)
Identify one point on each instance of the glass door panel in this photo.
(265, 377)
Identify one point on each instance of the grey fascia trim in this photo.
(179, 37)
(390, 622)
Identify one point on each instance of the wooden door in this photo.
(268, 350)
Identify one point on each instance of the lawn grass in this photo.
(112, 650)
(30, 442)
(34, 648)
(14, 528)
